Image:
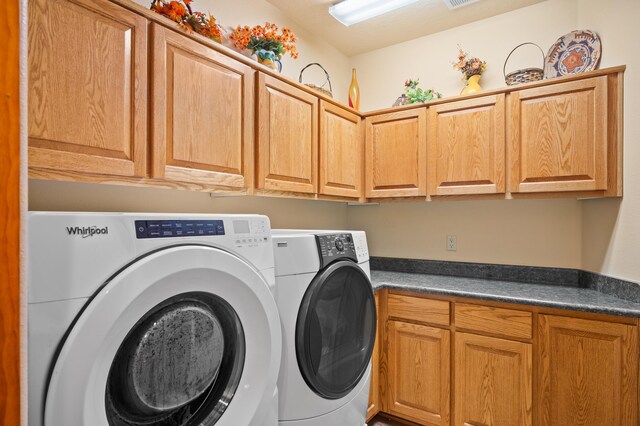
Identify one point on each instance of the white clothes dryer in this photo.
(328, 313)
(151, 319)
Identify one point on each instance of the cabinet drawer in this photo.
(418, 309)
(506, 322)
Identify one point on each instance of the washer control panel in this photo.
(332, 247)
(178, 228)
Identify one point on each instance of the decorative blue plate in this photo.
(576, 52)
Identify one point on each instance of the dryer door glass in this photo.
(179, 365)
(335, 330)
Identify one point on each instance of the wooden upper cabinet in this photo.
(588, 372)
(558, 137)
(203, 111)
(341, 152)
(87, 87)
(492, 381)
(419, 373)
(396, 154)
(287, 137)
(466, 141)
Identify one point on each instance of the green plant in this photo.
(416, 95)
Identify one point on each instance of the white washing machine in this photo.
(328, 313)
(152, 319)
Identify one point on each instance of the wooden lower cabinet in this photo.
(587, 372)
(374, 393)
(492, 381)
(419, 373)
(505, 365)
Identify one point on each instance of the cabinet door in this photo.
(87, 87)
(466, 143)
(419, 373)
(492, 381)
(341, 152)
(588, 372)
(396, 154)
(374, 391)
(287, 137)
(202, 113)
(558, 137)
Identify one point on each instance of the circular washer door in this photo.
(188, 335)
(335, 330)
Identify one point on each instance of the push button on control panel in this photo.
(178, 228)
(332, 247)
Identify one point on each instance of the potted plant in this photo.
(267, 43)
(180, 12)
(471, 69)
(413, 94)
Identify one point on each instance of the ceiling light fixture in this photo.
(350, 12)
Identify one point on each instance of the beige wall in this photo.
(611, 228)
(381, 73)
(284, 213)
(520, 232)
(257, 12)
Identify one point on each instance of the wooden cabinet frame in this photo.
(268, 153)
(479, 156)
(439, 376)
(380, 160)
(558, 128)
(88, 146)
(485, 369)
(604, 348)
(166, 46)
(528, 345)
(341, 156)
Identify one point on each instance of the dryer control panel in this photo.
(178, 228)
(332, 247)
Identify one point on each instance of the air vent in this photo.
(455, 4)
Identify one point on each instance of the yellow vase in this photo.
(472, 86)
(354, 91)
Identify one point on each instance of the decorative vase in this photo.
(268, 59)
(354, 91)
(472, 86)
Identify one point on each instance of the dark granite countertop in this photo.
(551, 296)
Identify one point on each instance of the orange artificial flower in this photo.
(242, 37)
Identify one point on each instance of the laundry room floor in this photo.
(383, 420)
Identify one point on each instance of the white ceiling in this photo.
(413, 21)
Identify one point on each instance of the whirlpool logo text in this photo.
(87, 231)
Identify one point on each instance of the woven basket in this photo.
(320, 89)
(524, 75)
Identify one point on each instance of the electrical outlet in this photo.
(452, 243)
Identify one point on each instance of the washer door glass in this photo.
(335, 330)
(179, 365)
